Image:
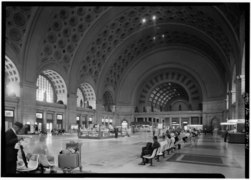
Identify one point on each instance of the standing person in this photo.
(226, 135)
(116, 132)
(11, 150)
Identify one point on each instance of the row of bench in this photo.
(162, 150)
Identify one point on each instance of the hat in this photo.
(18, 124)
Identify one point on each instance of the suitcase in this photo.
(69, 161)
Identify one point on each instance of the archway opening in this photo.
(86, 96)
(51, 87)
(168, 94)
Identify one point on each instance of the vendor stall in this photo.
(98, 132)
(236, 130)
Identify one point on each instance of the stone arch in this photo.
(89, 95)
(55, 76)
(12, 78)
(167, 58)
(170, 83)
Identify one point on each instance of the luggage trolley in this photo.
(68, 162)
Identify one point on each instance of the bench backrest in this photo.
(33, 162)
(154, 152)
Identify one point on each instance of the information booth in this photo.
(236, 130)
(196, 126)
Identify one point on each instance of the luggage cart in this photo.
(68, 162)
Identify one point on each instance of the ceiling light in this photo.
(143, 20)
(154, 18)
(154, 37)
(163, 35)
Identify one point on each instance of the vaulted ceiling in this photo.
(104, 41)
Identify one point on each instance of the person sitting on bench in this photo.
(148, 149)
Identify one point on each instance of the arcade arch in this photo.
(51, 83)
(88, 95)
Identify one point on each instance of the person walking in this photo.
(11, 148)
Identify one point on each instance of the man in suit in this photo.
(10, 151)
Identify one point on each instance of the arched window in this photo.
(86, 96)
(80, 98)
(108, 101)
(44, 90)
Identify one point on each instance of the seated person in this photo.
(168, 139)
(42, 149)
(149, 149)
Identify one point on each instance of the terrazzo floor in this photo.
(122, 155)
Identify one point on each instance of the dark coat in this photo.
(10, 142)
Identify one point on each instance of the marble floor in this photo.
(122, 155)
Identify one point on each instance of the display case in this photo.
(98, 134)
(236, 138)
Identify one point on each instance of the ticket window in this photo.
(39, 122)
(38, 126)
(49, 126)
(59, 121)
(9, 119)
(59, 126)
(49, 123)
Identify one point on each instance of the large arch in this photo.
(180, 83)
(198, 66)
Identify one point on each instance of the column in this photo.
(27, 107)
(87, 121)
(82, 120)
(70, 111)
(55, 120)
(44, 125)
(239, 99)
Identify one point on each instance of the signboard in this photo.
(160, 126)
(39, 115)
(9, 113)
(59, 116)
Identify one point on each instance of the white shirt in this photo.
(17, 146)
